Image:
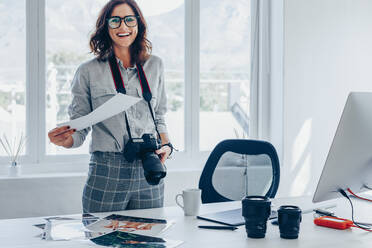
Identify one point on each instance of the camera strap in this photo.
(120, 88)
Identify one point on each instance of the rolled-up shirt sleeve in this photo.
(80, 104)
(161, 105)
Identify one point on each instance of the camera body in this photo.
(144, 148)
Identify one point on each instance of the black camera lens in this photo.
(289, 218)
(256, 211)
(154, 170)
(144, 148)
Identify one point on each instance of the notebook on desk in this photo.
(229, 217)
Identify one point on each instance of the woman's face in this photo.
(123, 36)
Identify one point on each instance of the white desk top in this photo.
(20, 232)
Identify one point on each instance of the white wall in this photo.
(327, 53)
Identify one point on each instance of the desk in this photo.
(20, 232)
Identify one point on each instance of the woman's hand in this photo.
(61, 136)
(164, 153)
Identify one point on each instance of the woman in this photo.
(113, 183)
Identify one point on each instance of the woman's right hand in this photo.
(61, 136)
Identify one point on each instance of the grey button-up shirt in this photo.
(93, 85)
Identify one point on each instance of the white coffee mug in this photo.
(191, 201)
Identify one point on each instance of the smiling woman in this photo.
(128, 41)
(66, 52)
(125, 170)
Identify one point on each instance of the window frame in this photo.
(191, 156)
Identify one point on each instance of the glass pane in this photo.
(12, 70)
(237, 175)
(168, 43)
(224, 70)
(68, 27)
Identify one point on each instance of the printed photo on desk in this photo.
(129, 224)
(66, 229)
(127, 240)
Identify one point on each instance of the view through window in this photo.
(224, 71)
(224, 84)
(12, 70)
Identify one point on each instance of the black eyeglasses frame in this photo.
(122, 19)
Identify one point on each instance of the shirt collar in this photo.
(121, 63)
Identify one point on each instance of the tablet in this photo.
(230, 217)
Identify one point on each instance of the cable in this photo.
(344, 194)
(359, 197)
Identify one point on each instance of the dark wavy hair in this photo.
(101, 43)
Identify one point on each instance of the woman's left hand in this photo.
(163, 153)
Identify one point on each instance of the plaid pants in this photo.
(114, 184)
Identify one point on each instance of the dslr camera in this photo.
(144, 148)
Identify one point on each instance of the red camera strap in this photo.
(120, 87)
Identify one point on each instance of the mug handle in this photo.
(179, 204)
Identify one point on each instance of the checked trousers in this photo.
(114, 184)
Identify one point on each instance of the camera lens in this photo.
(256, 211)
(289, 218)
(154, 170)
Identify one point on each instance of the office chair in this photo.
(238, 159)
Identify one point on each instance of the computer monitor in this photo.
(349, 160)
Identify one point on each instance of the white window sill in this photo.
(53, 170)
(43, 170)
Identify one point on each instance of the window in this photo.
(224, 71)
(205, 46)
(12, 70)
(64, 53)
(168, 43)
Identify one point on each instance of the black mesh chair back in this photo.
(239, 167)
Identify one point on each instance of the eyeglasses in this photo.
(115, 21)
